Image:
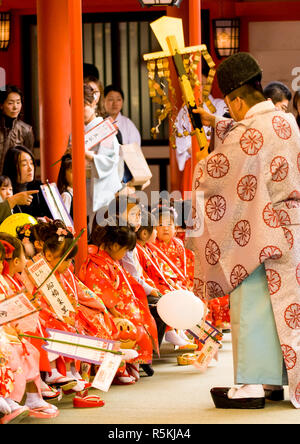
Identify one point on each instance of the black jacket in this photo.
(38, 206)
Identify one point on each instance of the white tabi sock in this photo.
(4, 407)
(34, 401)
(55, 374)
(80, 384)
(172, 337)
(75, 373)
(246, 391)
(12, 404)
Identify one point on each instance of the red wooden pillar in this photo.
(54, 83)
(59, 57)
(77, 111)
(195, 39)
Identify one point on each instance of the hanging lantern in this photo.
(160, 3)
(227, 37)
(5, 18)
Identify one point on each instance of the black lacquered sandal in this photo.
(221, 400)
(274, 395)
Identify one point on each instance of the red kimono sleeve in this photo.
(100, 284)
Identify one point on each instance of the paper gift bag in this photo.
(133, 156)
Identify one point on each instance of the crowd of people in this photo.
(134, 259)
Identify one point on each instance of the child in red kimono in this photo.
(182, 261)
(122, 295)
(54, 249)
(171, 248)
(163, 276)
(23, 357)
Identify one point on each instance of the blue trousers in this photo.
(257, 354)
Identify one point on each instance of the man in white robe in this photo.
(249, 246)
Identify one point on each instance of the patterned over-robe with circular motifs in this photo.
(298, 273)
(215, 208)
(218, 166)
(279, 168)
(292, 316)
(270, 216)
(274, 281)
(297, 393)
(283, 217)
(270, 252)
(246, 188)
(251, 141)
(214, 290)
(238, 274)
(198, 175)
(282, 127)
(212, 252)
(289, 237)
(293, 200)
(198, 286)
(289, 356)
(242, 233)
(222, 129)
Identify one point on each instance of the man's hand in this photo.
(23, 198)
(206, 118)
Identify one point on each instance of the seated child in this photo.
(172, 248)
(121, 293)
(144, 234)
(21, 353)
(165, 279)
(33, 236)
(126, 210)
(6, 189)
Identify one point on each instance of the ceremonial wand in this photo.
(70, 343)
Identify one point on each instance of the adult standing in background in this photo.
(128, 132)
(102, 162)
(113, 103)
(13, 131)
(98, 92)
(280, 95)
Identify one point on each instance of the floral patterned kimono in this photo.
(75, 322)
(20, 356)
(93, 316)
(109, 281)
(247, 237)
(6, 376)
(180, 257)
(178, 266)
(156, 269)
(182, 260)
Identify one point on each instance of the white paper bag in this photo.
(133, 155)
